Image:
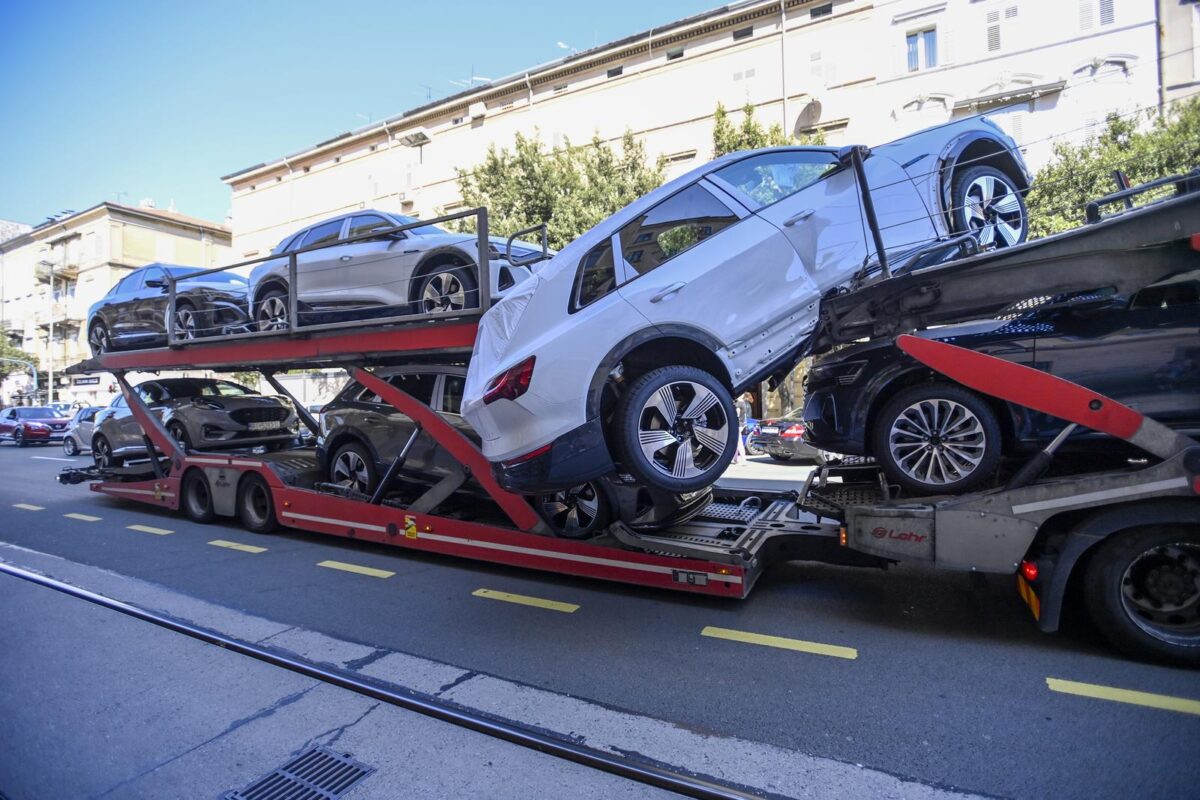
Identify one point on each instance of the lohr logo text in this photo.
(904, 536)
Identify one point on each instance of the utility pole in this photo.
(50, 332)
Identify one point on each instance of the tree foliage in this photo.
(569, 188)
(729, 138)
(8, 350)
(1143, 147)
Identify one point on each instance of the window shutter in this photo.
(1085, 15)
(993, 31)
(1106, 12)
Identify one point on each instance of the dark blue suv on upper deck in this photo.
(933, 436)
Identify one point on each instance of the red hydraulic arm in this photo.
(457, 445)
(1043, 392)
(150, 423)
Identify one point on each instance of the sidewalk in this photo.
(97, 704)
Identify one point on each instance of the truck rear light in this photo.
(532, 454)
(1029, 570)
(510, 384)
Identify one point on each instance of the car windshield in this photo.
(215, 277)
(193, 387)
(424, 230)
(37, 413)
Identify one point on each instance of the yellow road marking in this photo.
(1164, 702)
(816, 648)
(525, 600)
(149, 529)
(28, 507)
(344, 567)
(245, 548)
(82, 517)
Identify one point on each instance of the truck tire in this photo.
(937, 438)
(1142, 591)
(196, 497)
(256, 505)
(656, 420)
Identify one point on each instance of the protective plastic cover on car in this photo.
(495, 328)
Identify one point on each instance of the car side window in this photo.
(119, 401)
(323, 234)
(130, 283)
(673, 226)
(770, 177)
(597, 275)
(452, 394)
(8, 414)
(367, 223)
(419, 385)
(151, 393)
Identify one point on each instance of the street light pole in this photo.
(50, 336)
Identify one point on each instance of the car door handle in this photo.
(667, 292)
(803, 215)
(344, 258)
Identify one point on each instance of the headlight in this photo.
(844, 373)
(36, 426)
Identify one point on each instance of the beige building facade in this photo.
(854, 70)
(51, 275)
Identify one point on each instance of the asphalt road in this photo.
(948, 685)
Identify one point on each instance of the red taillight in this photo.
(1029, 570)
(794, 431)
(532, 454)
(510, 384)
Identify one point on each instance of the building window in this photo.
(994, 23)
(615, 72)
(743, 33)
(674, 53)
(820, 11)
(1093, 13)
(922, 50)
(458, 120)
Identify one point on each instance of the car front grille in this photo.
(244, 416)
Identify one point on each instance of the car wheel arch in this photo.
(978, 149)
(341, 436)
(271, 284)
(448, 255)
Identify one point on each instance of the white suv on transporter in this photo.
(623, 352)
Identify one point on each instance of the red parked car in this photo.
(32, 425)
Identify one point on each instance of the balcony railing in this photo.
(42, 271)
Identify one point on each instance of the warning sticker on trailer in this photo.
(410, 527)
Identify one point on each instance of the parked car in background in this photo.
(704, 287)
(362, 435)
(26, 425)
(134, 312)
(201, 413)
(79, 431)
(933, 436)
(420, 270)
(62, 408)
(782, 439)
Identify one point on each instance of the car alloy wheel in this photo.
(98, 339)
(102, 453)
(444, 291)
(937, 442)
(350, 469)
(683, 430)
(69, 447)
(273, 312)
(992, 208)
(574, 513)
(185, 324)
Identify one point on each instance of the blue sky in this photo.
(127, 99)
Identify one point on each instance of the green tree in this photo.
(1143, 147)
(8, 350)
(569, 188)
(729, 138)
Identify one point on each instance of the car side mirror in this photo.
(155, 283)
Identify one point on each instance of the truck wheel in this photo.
(197, 497)
(987, 201)
(576, 513)
(676, 428)
(1142, 589)
(256, 506)
(937, 438)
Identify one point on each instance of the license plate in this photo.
(264, 426)
(770, 429)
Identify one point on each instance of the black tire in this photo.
(780, 456)
(454, 284)
(19, 438)
(971, 210)
(637, 415)
(1134, 570)
(70, 448)
(265, 317)
(967, 461)
(256, 505)
(98, 339)
(576, 513)
(180, 434)
(189, 328)
(353, 462)
(102, 453)
(196, 497)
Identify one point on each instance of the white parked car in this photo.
(622, 354)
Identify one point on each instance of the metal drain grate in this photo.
(316, 774)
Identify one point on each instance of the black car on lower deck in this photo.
(782, 439)
(933, 436)
(134, 312)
